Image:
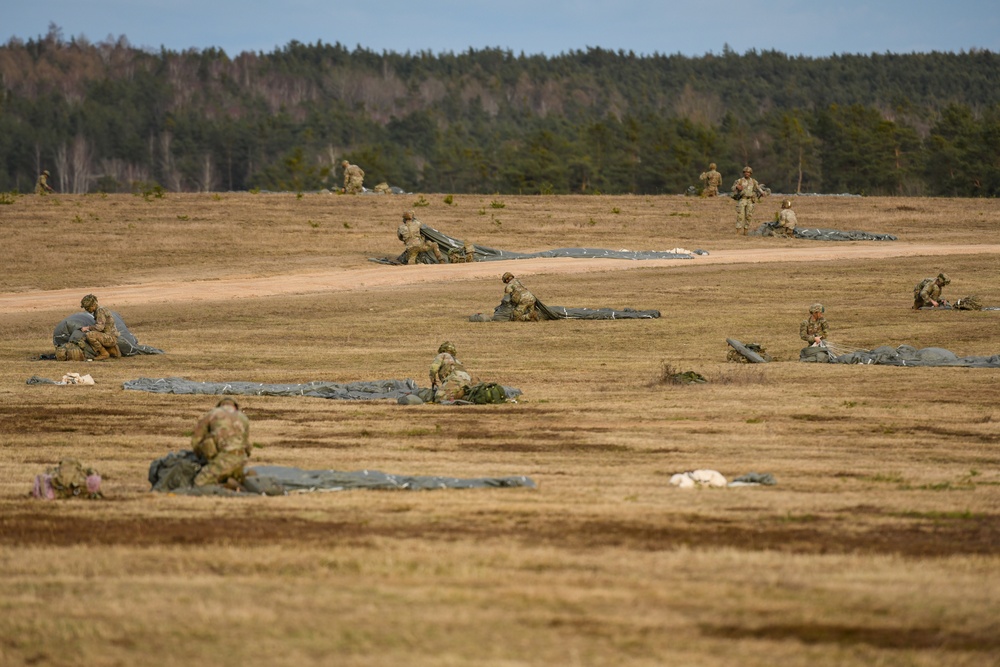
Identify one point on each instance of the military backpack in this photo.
(486, 392)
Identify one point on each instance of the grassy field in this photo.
(880, 544)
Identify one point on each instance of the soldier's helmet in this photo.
(46, 172)
(344, 163)
(507, 277)
(945, 280)
(408, 215)
(227, 401)
(88, 301)
(816, 308)
(787, 203)
(747, 170)
(711, 166)
(448, 347)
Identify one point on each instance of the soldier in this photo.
(466, 255)
(786, 219)
(382, 189)
(413, 240)
(521, 299)
(222, 438)
(103, 335)
(928, 292)
(354, 178)
(448, 372)
(42, 186)
(713, 180)
(814, 329)
(746, 192)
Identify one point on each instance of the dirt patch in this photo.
(849, 635)
(339, 280)
(913, 538)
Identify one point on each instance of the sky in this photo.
(796, 27)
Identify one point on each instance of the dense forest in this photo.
(110, 117)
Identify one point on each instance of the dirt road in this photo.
(381, 276)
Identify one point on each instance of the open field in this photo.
(880, 545)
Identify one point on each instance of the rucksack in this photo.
(968, 303)
(68, 480)
(486, 392)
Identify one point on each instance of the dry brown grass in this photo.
(879, 545)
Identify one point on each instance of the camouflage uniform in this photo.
(523, 301)
(713, 180)
(466, 255)
(222, 437)
(746, 191)
(787, 221)
(928, 291)
(413, 240)
(103, 334)
(354, 178)
(42, 186)
(382, 188)
(812, 327)
(448, 372)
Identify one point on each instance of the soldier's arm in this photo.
(804, 333)
(202, 441)
(247, 447)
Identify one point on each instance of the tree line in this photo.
(111, 117)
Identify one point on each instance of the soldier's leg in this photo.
(227, 465)
(94, 339)
(431, 247)
(412, 252)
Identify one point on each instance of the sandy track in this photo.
(389, 277)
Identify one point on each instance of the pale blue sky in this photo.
(795, 27)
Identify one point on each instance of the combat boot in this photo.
(100, 350)
(115, 351)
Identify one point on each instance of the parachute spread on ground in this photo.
(175, 473)
(903, 355)
(817, 234)
(450, 246)
(365, 390)
(502, 313)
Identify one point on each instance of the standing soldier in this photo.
(222, 438)
(354, 178)
(103, 335)
(928, 292)
(746, 192)
(713, 180)
(42, 186)
(814, 329)
(523, 301)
